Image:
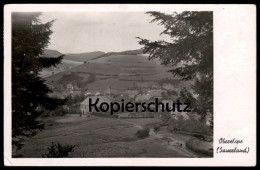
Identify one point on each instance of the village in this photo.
(142, 94)
(169, 134)
(125, 78)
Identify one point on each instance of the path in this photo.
(172, 143)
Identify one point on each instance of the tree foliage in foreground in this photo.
(58, 150)
(190, 53)
(29, 93)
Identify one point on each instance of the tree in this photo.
(190, 53)
(29, 92)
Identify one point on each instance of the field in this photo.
(118, 72)
(81, 57)
(64, 65)
(106, 137)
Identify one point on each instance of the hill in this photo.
(51, 53)
(81, 57)
(129, 52)
(64, 65)
(120, 72)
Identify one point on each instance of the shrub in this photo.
(166, 117)
(143, 133)
(156, 128)
(57, 150)
(81, 84)
(75, 109)
(199, 146)
(60, 111)
(190, 126)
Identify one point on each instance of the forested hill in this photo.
(81, 57)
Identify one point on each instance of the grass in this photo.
(125, 64)
(96, 137)
(190, 126)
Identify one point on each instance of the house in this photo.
(168, 86)
(180, 115)
(97, 94)
(107, 91)
(84, 106)
(119, 98)
(209, 118)
(87, 94)
(66, 93)
(75, 93)
(169, 102)
(155, 93)
(132, 93)
(66, 107)
(70, 86)
(154, 86)
(75, 86)
(143, 97)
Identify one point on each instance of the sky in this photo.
(78, 32)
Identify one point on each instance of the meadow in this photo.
(105, 137)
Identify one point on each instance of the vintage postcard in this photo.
(129, 85)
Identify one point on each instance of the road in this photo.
(171, 143)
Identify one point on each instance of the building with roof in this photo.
(86, 94)
(155, 93)
(180, 115)
(132, 93)
(84, 106)
(70, 86)
(168, 86)
(66, 93)
(143, 97)
(76, 93)
(125, 96)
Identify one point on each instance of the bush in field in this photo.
(59, 111)
(74, 100)
(166, 117)
(57, 150)
(143, 133)
(156, 128)
(81, 84)
(75, 109)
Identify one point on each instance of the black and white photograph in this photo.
(114, 84)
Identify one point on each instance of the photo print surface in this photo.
(112, 84)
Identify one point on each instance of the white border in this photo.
(234, 84)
